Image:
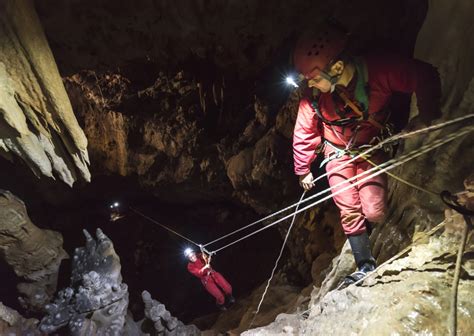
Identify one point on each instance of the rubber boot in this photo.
(360, 245)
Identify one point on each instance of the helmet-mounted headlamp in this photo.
(188, 252)
(294, 81)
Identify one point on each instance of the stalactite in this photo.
(37, 123)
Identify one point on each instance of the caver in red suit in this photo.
(344, 107)
(213, 281)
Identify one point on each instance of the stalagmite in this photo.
(163, 322)
(96, 286)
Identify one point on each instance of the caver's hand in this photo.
(306, 181)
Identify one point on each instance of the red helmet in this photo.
(314, 52)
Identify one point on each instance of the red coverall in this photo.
(386, 74)
(213, 281)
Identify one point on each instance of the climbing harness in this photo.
(362, 115)
(412, 156)
(338, 152)
(359, 107)
(394, 138)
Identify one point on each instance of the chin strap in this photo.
(332, 79)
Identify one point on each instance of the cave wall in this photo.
(445, 168)
(193, 108)
(33, 254)
(241, 35)
(188, 97)
(37, 124)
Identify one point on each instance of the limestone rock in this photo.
(165, 324)
(12, 323)
(96, 301)
(37, 123)
(165, 144)
(33, 254)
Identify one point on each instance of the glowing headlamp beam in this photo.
(291, 81)
(188, 251)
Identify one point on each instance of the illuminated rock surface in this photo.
(182, 101)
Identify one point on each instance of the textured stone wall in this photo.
(37, 123)
(32, 253)
(185, 97)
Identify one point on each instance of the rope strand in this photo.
(276, 262)
(414, 186)
(364, 153)
(164, 226)
(408, 157)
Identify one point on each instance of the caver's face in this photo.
(192, 257)
(320, 83)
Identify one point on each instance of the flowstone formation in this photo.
(96, 301)
(34, 254)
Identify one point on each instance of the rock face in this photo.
(12, 323)
(164, 143)
(187, 105)
(171, 145)
(32, 253)
(415, 287)
(37, 123)
(97, 300)
(163, 323)
(96, 288)
(176, 101)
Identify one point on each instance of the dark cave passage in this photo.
(152, 258)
